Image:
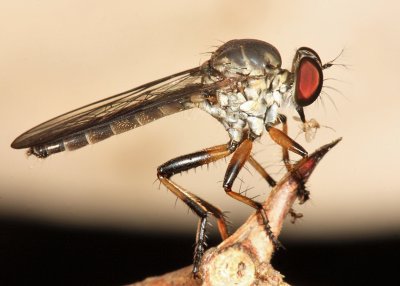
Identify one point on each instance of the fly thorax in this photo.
(234, 120)
(262, 104)
(283, 83)
(252, 108)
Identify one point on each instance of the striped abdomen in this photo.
(100, 132)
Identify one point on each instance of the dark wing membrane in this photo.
(178, 87)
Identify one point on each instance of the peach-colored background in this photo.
(59, 55)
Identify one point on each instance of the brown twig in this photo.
(244, 257)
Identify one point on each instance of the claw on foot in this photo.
(294, 215)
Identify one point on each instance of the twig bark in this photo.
(244, 257)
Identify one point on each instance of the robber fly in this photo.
(242, 85)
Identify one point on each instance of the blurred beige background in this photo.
(59, 55)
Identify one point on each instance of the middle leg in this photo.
(195, 203)
(239, 158)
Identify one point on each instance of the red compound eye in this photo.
(308, 81)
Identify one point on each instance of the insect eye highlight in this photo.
(309, 79)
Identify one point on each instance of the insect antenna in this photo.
(333, 63)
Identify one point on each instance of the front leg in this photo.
(288, 144)
(285, 141)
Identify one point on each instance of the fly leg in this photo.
(260, 169)
(239, 158)
(285, 151)
(196, 204)
(288, 144)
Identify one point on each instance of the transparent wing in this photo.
(178, 87)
